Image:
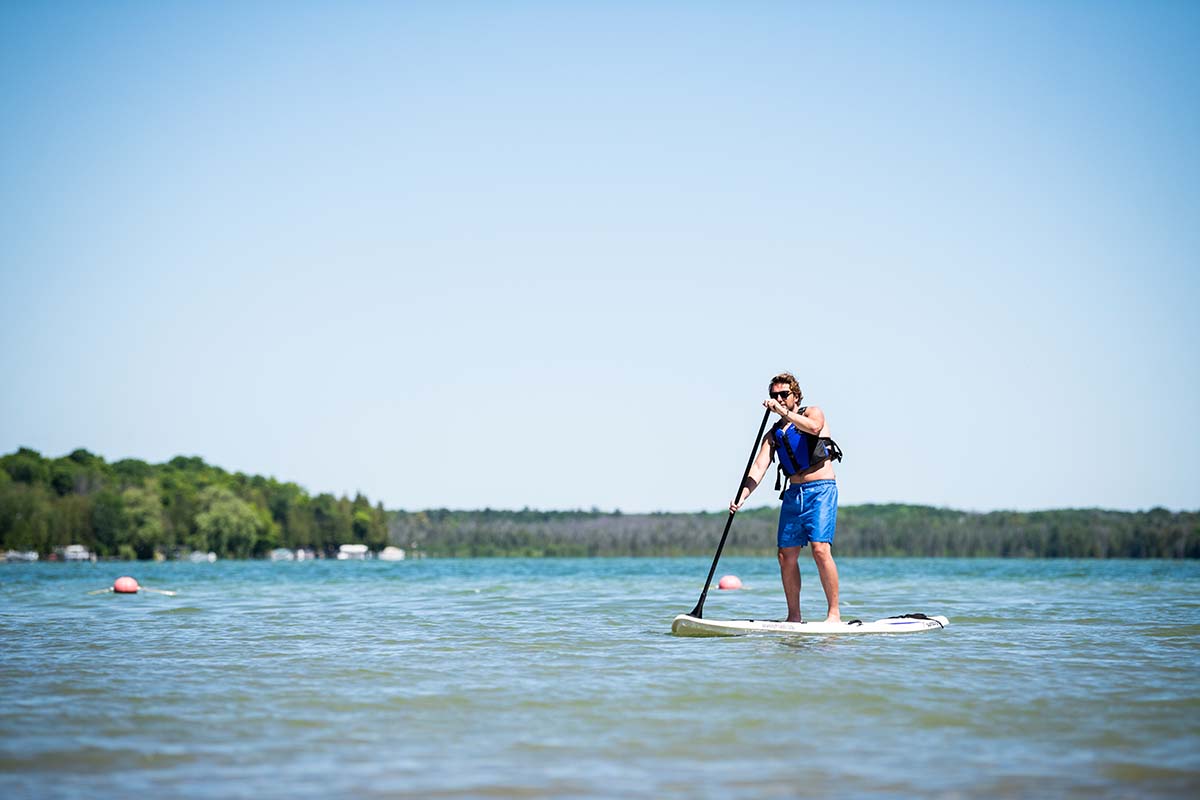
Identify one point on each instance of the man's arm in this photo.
(811, 421)
(757, 469)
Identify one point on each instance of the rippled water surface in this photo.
(558, 678)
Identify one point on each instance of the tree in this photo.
(226, 524)
(25, 517)
(108, 522)
(72, 521)
(333, 526)
(143, 520)
(132, 471)
(27, 466)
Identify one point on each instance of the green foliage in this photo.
(227, 524)
(869, 530)
(25, 516)
(133, 509)
(108, 522)
(132, 471)
(143, 528)
(26, 466)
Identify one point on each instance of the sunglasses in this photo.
(781, 395)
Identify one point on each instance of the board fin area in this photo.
(687, 625)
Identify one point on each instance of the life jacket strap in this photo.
(787, 446)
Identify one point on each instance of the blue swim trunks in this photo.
(809, 513)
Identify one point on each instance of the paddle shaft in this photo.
(698, 611)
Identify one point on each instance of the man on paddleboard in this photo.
(800, 440)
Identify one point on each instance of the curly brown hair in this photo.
(790, 380)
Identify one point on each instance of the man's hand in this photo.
(734, 506)
(776, 406)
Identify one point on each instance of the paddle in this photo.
(698, 611)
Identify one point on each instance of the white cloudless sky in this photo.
(522, 254)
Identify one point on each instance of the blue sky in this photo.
(521, 254)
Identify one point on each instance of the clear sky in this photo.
(509, 254)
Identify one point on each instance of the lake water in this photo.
(558, 678)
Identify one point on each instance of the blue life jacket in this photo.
(799, 451)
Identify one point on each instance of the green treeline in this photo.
(868, 530)
(133, 509)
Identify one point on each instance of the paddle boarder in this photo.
(800, 440)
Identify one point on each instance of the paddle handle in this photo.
(698, 611)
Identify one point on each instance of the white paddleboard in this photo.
(686, 625)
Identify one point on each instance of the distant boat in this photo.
(353, 552)
(21, 555)
(281, 554)
(304, 555)
(390, 553)
(202, 558)
(76, 552)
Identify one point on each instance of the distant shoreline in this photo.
(131, 509)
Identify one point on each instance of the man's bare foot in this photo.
(833, 618)
(793, 619)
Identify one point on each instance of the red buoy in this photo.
(730, 582)
(125, 585)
